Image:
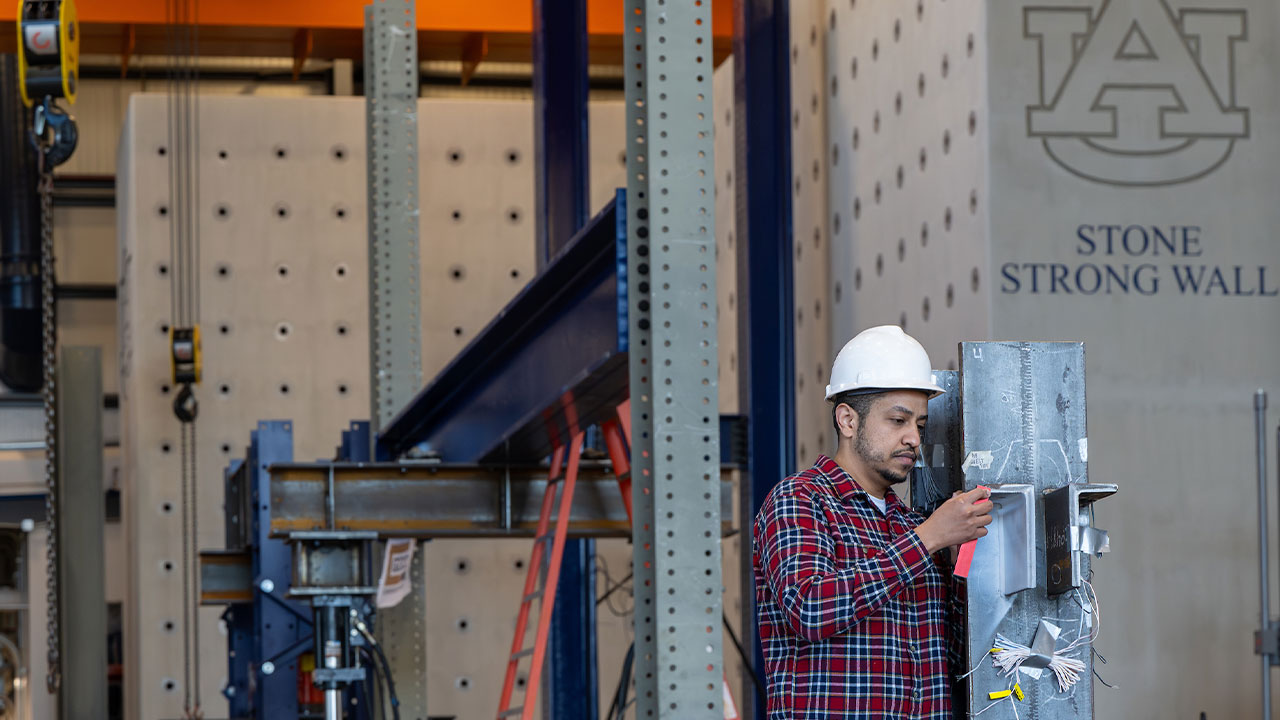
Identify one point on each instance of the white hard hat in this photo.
(882, 358)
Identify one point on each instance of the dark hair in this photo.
(859, 401)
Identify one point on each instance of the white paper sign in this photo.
(396, 582)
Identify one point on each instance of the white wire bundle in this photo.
(1008, 656)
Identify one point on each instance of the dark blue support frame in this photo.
(271, 629)
(560, 123)
(766, 352)
(561, 137)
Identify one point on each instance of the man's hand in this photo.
(957, 521)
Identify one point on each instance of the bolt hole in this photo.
(223, 271)
(224, 389)
(224, 329)
(461, 566)
(162, 151)
(163, 210)
(223, 212)
(222, 154)
(166, 508)
(164, 389)
(513, 157)
(515, 273)
(342, 329)
(165, 447)
(339, 153)
(281, 152)
(284, 389)
(226, 449)
(342, 389)
(513, 216)
(283, 271)
(457, 331)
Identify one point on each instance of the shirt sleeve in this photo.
(820, 597)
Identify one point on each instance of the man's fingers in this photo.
(984, 520)
(981, 532)
(976, 495)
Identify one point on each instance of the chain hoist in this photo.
(48, 62)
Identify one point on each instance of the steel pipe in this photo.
(1260, 420)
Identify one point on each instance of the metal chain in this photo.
(48, 319)
(186, 582)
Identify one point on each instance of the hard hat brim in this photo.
(931, 390)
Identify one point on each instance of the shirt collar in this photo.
(847, 488)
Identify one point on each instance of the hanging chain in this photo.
(48, 320)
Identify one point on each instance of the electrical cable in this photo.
(386, 666)
(619, 703)
(761, 695)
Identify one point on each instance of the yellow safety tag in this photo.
(1017, 692)
(999, 695)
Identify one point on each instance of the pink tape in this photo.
(965, 558)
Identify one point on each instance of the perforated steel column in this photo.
(675, 442)
(391, 106)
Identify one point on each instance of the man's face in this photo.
(888, 439)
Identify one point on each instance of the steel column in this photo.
(81, 510)
(560, 123)
(391, 117)
(766, 337)
(1023, 414)
(562, 187)
(395, 340)
(674, 364)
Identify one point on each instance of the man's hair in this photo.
(861, 403)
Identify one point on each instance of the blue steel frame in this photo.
(766, 344)
(560, 93)
(272, 629)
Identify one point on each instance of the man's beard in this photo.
(879, 462)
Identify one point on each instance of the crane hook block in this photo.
(49, 55)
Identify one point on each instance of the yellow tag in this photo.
(995, 650)
(1017, 692)
(999, 695)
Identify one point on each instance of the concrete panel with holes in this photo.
(283, 294)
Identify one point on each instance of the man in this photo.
(853, 606)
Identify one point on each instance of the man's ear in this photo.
(846, 421)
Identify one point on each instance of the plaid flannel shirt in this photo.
(853, 610)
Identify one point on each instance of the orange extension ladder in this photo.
(617, 436)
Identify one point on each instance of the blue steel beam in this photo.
(561, 342)
(766, 353)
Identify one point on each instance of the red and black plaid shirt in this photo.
(853, 610)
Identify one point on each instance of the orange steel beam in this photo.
(255, 28)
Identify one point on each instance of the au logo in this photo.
(1133, 92)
